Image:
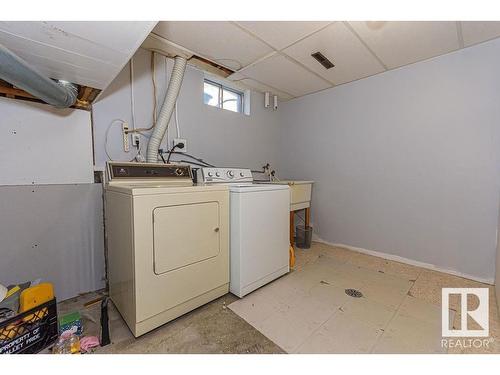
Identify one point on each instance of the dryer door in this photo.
(184, 235)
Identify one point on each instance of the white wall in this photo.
(406, 162)
(218, 136)
(30, 130)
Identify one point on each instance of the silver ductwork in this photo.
(19, 73)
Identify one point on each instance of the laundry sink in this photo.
(300, 192)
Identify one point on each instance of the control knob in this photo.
(230, 174)
(179, 172)
(217, 174)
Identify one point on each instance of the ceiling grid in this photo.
(276, 55)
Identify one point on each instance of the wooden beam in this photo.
(13, 92)
(86, 95)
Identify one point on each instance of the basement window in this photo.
(218, 95)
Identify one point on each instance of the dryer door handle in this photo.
(216, 229)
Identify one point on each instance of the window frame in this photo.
(241, 97)
(244, 95)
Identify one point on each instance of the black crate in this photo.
(31, 331)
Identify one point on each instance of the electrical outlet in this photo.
(126, 143)
(136, 140)
(180, 140)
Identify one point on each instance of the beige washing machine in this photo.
(167, 242)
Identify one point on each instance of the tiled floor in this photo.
(212, 328)
(308, 311)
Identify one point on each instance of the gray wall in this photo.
(405, 162)
(497, 273)
(53, 232)
(221, 137)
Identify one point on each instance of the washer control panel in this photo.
(226, 175)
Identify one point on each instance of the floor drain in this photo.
(353, 293)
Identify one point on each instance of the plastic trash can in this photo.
(303, 236)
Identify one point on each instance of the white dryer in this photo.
(260, 227)
(167, 242)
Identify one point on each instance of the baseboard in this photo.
(411, 262)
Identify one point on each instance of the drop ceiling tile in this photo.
(258, 86)
(475, 32)
(281, 34)
(62, 64)
(123, 36)
(39, 37)
(95, 75)
(351, 58)
(401, 43)
(86, 53)
(222, 41)
(282, 73)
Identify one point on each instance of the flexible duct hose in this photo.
(167, 108)
(19, 73)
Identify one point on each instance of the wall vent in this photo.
(323, 60)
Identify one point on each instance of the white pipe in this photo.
(167, 108)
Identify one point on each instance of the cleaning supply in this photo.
(60, 347)
(88, 342)
(292, 257)
(13, 289)
(28, 318)
(68, 343)
(74, 344)
(35, 296)
(3, 292)
(10, 304)
(71, 322)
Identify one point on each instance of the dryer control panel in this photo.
(142, 171)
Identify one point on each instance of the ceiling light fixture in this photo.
(323, 60)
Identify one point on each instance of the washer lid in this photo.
(256, 187)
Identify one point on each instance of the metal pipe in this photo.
(19, 73)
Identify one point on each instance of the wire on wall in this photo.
(165, 71)
(132, 100)
(106, 136)
(204, 163)
(153, 79)
(177, 120)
